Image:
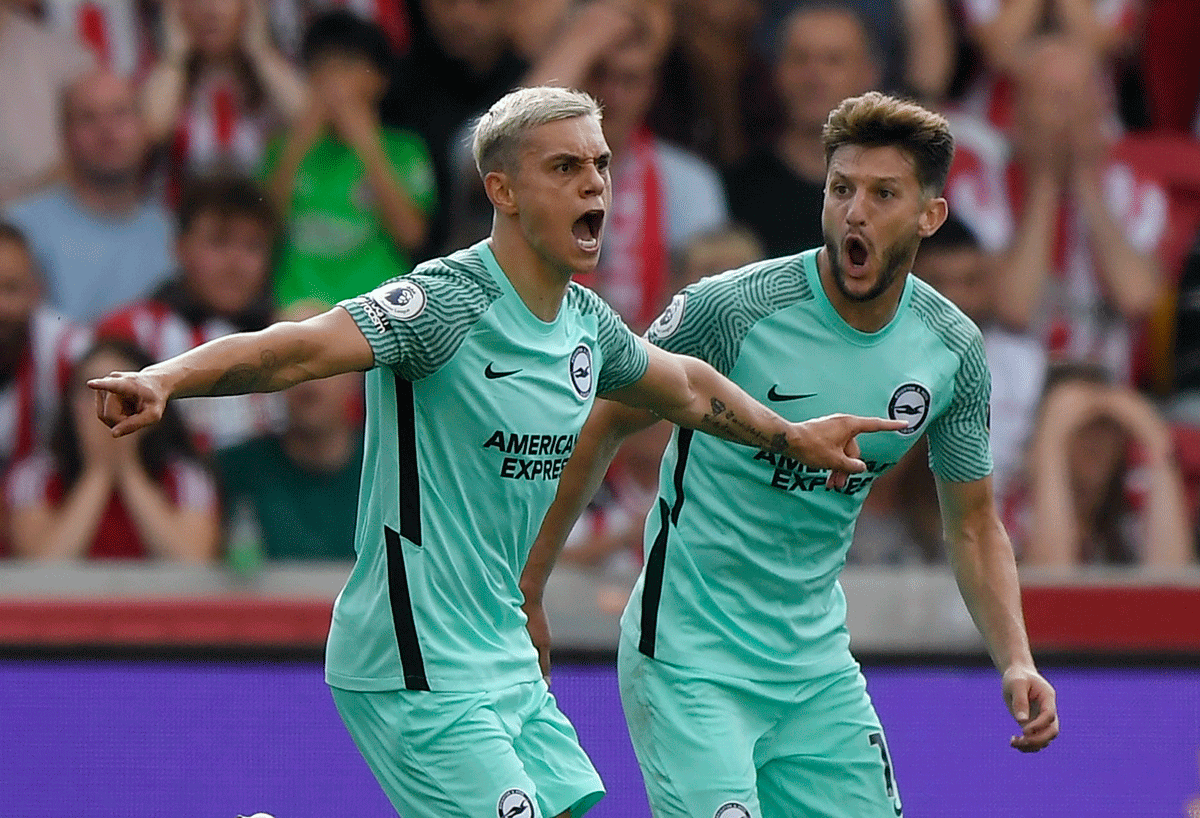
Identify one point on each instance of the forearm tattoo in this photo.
(246, 378)
(727, 424)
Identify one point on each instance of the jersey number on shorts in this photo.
(877, 740)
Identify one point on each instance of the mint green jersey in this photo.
(473, 407)
(744, 547)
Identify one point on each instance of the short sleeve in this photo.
(417, 322)
(624, 359)
(680, 328)
(410, 159)
(710, 319)
(959, 447)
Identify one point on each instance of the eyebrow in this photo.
(574, 157)
(879, 180)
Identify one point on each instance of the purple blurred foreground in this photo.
(218, 739)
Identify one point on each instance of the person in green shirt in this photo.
(298, 490)
(357, 196)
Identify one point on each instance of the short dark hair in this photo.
(876, 120)
(344, 32)
(226, 196)
(954, 234)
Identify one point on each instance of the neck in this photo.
(117, 199)
(324, 449)
(864, 316)
(803, 153)
(540, 285)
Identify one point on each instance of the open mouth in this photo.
(587, 230)
(856, 252)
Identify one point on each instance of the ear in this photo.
(932, 217)
(498, 186)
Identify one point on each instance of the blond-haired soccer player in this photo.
(483, 367)
(738, 684)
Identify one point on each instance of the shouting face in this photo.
(559, 192)
(874, 217)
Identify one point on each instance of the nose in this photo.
(592, 180)
(856, 211)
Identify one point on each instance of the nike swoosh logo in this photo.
(492, 374)
(772, 394)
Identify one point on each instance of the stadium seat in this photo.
(1171, 63)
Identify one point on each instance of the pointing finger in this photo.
(861, 425)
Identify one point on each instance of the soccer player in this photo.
(483, 368)
(738, 685)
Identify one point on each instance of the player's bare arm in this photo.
(607, 426)
(983, 562)
(282, 355)
(691, 393)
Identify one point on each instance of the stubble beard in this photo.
(894, 262)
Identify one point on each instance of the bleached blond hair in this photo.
(498, 133)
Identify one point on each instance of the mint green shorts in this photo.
(729, 748)
(508, 753)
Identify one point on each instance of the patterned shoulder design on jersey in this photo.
(416, 322)
(624, 359)
(710, 319)
(959, 448)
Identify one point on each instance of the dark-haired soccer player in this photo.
(739, 688)
(483, 368)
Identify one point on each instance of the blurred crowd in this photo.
(172, 171)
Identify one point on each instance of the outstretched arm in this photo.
(691, 393)
(608, 425)
(987, 578)
(282, 355)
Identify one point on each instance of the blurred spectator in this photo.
(534, 24)
(1186, 401)
(226, 229)
(1002, 30)
(1103, 484)
(100, 239)
(912, 41)
(954, 264)
(301, 486)
(1076, 230)
(716, 97)
(115, 31)
(221, 89)
(289, 20)
(824, 56)
(37, 349)
(88, 495)
(566, 59)
(35, 66)
(715, 251)
(662, 195)
(900, 522)
(460, 62)
(357, 196)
